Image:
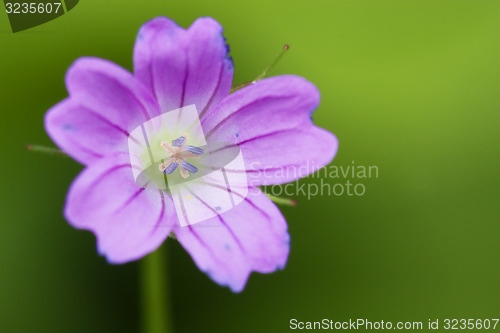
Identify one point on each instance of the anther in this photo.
(171, 168)
(189, 167)
(179, 141)
(194, 150)
(179, 152)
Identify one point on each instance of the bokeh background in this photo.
(412, 87)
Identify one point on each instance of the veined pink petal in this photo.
(252, 236)
(183, 66)
(271, 123)
(128, 221)
(106, 102)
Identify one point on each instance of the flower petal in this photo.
(105, 104)
(271, 123)
(128, 221)
(183, 66)
(252, 236)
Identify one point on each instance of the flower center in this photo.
(178, 152)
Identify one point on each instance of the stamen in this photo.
(189, 167)
(171, 168)
(179, 141)
(165, 164)
(186, 155)
(184, 172)
(194, 150)
(167, 147)
(179, 152)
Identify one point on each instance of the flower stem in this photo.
(155, 305)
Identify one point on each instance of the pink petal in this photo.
(271, 123)
(183, 67)
(251, 237)
(128, 221)
(106, 102)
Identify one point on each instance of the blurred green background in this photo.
(412, 87)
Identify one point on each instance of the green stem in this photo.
(282, 201)
(155, 305)
(239, 86)
(264, 72)
(46, 150)
(271, 65)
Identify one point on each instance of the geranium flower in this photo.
(269, 121)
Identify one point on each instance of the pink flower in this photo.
(270, 122)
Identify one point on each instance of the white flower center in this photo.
(179, 152)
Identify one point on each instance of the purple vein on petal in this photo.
(150, 65)
(134, 97)
(136, 167)
(147, 143)
(87, 150)
(113, 125)
(151, 80)
(107, 173)
(184, 82)
(183, 210)
(228, 187)
(244, 198)
(162, 213)
(214, 92)
(109, 122)
(260, 170)
(260, 210)
(254, 138)
(208, 248)
(129, 200)
(243, 108)
(221, 220)
(195, 234)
